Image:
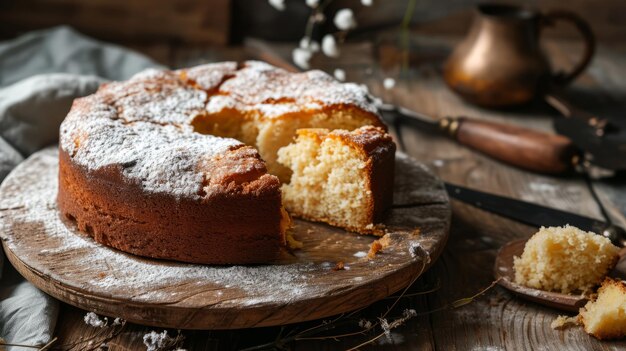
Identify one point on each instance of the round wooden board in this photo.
(70, 266)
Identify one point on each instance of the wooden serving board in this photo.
(70, 266)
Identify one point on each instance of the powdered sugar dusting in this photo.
(209, 76)
(274, 92)
(115, 271)
(143, 126)
(162, 158)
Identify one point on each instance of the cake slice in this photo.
(565, 259)
(340, 177)
(605, 318)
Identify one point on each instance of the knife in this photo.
(521, 147)
(535, 215)
(603, 141)
(578, 148)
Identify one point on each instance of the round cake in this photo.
(165, 165)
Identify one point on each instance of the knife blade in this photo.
(533, 214)
(522, 147)
(603, 141)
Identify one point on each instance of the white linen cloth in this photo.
(40, 75)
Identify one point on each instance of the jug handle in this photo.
(548, 19)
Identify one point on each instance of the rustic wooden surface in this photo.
(302, 286)
(498, 320)
(146, 21)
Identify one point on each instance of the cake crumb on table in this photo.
(605, 316)
(340, 266)
(378, 246)
(562, 322)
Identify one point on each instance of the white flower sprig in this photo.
(344, 20)
(278, 4)
(340, 74)
(301, 57)
(329, 46)
(389, 83)
(312, 3)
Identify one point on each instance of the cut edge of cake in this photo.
(343, 178)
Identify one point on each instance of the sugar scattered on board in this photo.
(121, 273)
(360, 254)
(562, 322)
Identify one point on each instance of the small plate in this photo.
(503, 270)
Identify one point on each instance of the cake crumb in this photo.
(375, 247)
(378, 246)
(562, 322)
(604, 316)
(340, 266)
(293, 243)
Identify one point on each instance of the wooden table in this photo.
(494, 321)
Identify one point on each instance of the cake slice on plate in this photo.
(565, 259)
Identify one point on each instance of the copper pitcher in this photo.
(500, 62)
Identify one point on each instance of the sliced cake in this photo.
(343, 178)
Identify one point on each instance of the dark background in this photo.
(150, 24)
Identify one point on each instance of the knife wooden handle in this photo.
(521, 147)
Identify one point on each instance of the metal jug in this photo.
(500, 62)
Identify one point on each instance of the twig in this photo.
(313, 18)
(455, 304)
(41, 348)
(425, 261)
(106, 333)
(406, 21)
(19, 345)
(462, 302)
(47, 346)
(424, 292)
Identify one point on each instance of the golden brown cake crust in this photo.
(227, 228)
(136, 176)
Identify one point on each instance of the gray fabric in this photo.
(27, 315)
(62, 49)
(40, 75)
(32, 109)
